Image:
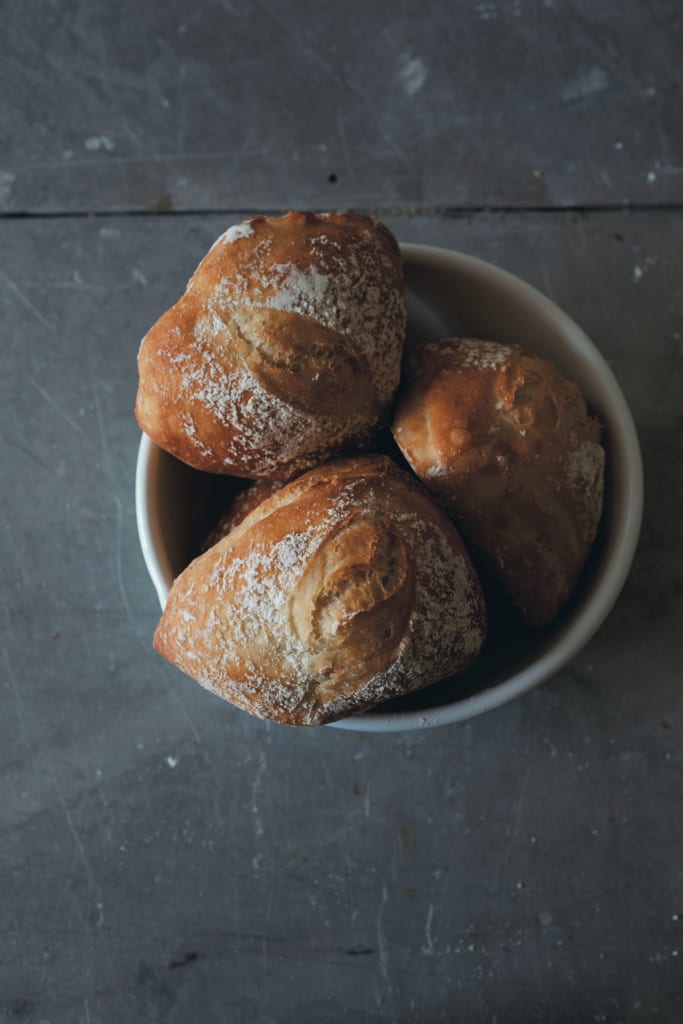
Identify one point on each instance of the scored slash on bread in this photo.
(284, 350)
(507, 445)
(343, 589)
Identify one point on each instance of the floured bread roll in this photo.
(284, 350)
(506, 443)
(345, 588)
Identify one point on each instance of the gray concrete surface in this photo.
(288, 103)
(166, 858)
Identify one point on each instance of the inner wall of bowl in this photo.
(192, 502)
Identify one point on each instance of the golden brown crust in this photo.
(239, 508)
(507, 445)
(345, 588)
(284, 350)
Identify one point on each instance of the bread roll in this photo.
(284, 350)
(507, 445)
(345, 588)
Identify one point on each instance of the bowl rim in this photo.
(587, 619)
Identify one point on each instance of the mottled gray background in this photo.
(163, 857)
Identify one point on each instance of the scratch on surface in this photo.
(520, 803)
(547, 284)
(514, 832)
(82, 286)
(255, 789)
(24, 299)
(20, 705)
(341, 132)
(155, 158)
(61, 68)
(73, 830)
(382, 947)
(428, 948)
(16, 548)
(53, 402)
(104, 446)
(29, 453)
(606, 180)
(655, 117)
(183, 712)
(309, 883)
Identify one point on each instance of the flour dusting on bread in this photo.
(331, 285)
(342, 590)
(585, 469)
(483, 355)
(238, 399)
(234, 232)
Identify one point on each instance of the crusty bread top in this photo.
(507, 444)
(284, 349)
(345, 588)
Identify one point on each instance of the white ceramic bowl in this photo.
(450, 293)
